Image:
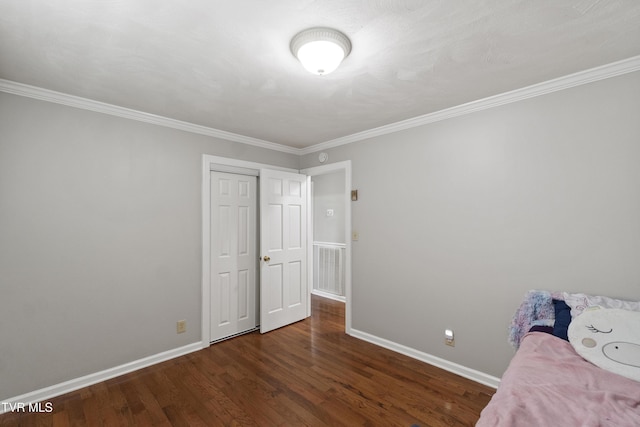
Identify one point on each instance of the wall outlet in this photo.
(448, 338)
(181, 326)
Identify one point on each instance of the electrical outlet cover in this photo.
(181, 326)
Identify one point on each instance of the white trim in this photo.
(328, 295)
(583, 77)
(310, 238)
(127, 113)
(234, 169)
(226, 164)
(328, 168)
(602, 72)
(339, 245)
(229, 165)
(87, 380)
(463, 371)
(323, 170)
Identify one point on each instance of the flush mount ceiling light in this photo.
(320, 50)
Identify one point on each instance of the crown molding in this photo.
(127, 113)
(583, 77)
(580, 78)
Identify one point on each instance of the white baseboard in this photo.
(328, 295)
(463, 371)
(87, 380)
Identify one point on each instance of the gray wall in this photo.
(100, 227)
(328, 193)
(459, 218)
(100, 239)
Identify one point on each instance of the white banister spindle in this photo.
(328, 260)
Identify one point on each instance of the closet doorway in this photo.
(276, 278)
(234, 282)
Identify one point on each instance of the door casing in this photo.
(224, 164)
(323, 170)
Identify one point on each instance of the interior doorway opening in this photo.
(331, 188)
(328, 206)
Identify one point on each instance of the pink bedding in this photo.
(549, 384)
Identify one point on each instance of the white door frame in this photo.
(220, 164)
(322, 170)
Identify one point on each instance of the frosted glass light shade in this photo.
(320, 50)
(321, 57)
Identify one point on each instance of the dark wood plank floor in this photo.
(309, 373)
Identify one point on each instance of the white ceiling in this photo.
(226, 64)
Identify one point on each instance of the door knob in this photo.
(266, 258)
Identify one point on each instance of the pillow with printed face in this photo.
(608, 338)
(580, 302)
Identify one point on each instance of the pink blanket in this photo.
(549, 384)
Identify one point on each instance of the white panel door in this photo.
(284, 294)
(233, 254)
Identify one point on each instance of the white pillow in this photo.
(608, 338)
(579, 302)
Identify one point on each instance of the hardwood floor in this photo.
(309, 373)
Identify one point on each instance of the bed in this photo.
(550, 382)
